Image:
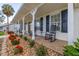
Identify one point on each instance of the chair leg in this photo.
(52, 39)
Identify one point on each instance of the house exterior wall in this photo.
(59, 34)
(1, 29)
(76, 18)
(14, 27)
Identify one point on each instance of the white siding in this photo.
(76, 16)
(14, 27)
(59, 34)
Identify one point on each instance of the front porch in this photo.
(57, 46)
(60, 15)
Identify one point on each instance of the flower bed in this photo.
(18, 49)
(12, 37)
(28, 47)
(15, 42)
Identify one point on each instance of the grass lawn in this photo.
(1, 33)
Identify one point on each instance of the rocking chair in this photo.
(52, 35)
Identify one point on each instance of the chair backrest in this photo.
(53, 29)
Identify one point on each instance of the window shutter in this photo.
(64, 16)
(47, 23)
(41, 24)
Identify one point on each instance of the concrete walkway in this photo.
(2, 38)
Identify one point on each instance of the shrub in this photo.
(31, 42)
(72, 50)
(16, 34)
(25, 38)
(15, 42)
(21, 36)
(10, 32)
(12, 37)
(18, 49)
(41, 51)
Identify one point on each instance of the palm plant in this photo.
(8, 11)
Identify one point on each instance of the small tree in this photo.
(8, 11)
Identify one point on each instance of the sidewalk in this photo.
(1, 42)
(3, 36)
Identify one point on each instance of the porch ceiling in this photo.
(25, 8)
(45, 9)
(49, 7)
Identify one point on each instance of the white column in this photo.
(44, 25)
(23, 26)
(50, 24)
(27, 28)
(71, 36)
(18, 27)
(33, 23)
(33, 29)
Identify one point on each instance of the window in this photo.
(64, 21)
(37, 25)
(55, 20)
(47, 23)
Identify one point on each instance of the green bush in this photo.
(21, 36)
(16, 51)
(16, 35)
(41, 51)
(15, 42)
(31, 42)
(25, 38)
(72, 50)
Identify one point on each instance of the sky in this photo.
(16, 7)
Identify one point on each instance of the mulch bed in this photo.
(27, 50)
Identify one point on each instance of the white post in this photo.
(23, 26)
(71, 36)
(18, 27)
(27, 28)
(33, 29)
(33, 23)
(50, 24)
(44, 26)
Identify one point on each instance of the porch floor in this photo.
(57, 45)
